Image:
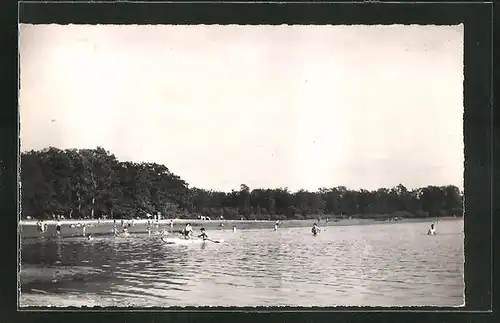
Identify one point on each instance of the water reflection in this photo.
(359, 265)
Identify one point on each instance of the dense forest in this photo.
(92, 183)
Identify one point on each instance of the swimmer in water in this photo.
(432, 230)
(89, 237)
(315, 230)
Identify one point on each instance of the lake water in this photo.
(369, 265)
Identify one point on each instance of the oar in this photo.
(214, 241)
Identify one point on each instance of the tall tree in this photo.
(93, 183)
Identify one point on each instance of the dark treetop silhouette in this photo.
(91, 183)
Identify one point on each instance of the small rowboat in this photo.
(181, 241)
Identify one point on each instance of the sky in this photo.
(301, 107)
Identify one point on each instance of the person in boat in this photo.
(203, 234)
(234, 229)
(188, 231)
(125, 232)
(276, 227)
(432, 230)
(315, 230)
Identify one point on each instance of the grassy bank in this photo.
(28, 229)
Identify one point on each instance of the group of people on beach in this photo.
(42, 227)
(186, 233)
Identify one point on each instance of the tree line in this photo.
(92, 183)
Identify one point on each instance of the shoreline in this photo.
(197, 221)
(28, 229)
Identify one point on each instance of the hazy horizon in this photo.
(301, 107)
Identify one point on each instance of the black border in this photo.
(478, 132)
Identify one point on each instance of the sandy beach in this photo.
(69, 228)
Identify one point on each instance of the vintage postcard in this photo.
(210, 165)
